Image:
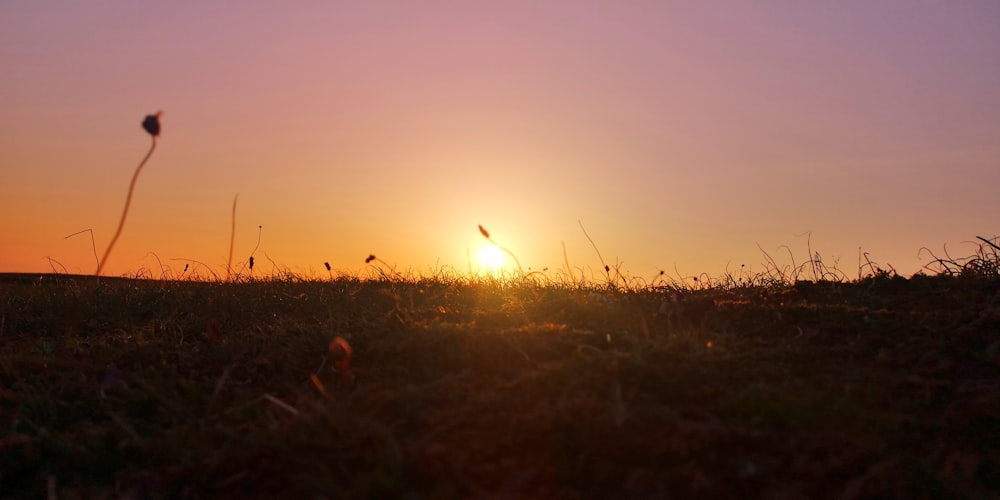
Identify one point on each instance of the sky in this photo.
(685, 137)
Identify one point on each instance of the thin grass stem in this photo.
(232, 240)
(128, 202)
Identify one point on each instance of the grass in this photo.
(739, 386)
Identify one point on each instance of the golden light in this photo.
(491, 257)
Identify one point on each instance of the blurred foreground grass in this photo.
(139, 388)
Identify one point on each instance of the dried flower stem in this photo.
(92, 244)
(232, 240)
(486, 234)
(128, 202)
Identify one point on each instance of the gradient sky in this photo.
(681, 133)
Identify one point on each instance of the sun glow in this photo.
(491, 257)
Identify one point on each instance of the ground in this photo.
(883, 387)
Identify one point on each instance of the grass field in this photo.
(130, 388)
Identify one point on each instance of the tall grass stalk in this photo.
(486, 234)
(607, 268)
(152, 125)
(92, 244)
(232, 240)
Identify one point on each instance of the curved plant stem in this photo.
(128, 202)
(232, 240)
(92, 244)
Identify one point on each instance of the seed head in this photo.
(152, 124)
(327, 264)
(370, 258)
(484, 232)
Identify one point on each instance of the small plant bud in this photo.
(152, 124)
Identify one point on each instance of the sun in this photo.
(491, 257)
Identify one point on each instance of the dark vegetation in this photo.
(742, 387)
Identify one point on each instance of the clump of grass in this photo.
(152, 125)
(384, 269)
(983, 263)
(607, 268)
(813, 269)
(199, 272)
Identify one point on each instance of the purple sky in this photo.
(682, 134)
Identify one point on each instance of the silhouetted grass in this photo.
(985, 262)
(747, 385)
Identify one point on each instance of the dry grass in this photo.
(747, 386)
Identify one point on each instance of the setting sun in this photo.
(491, 257)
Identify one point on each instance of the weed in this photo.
(152, 125)
(983, 263)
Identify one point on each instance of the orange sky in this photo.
(681, 134)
